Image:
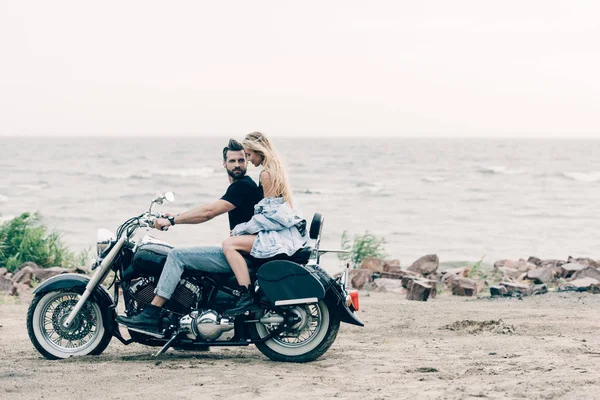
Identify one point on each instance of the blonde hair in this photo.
(271, 163)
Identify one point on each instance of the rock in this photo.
(388, 285)
(534, 260)
(516, 289)
(524, 266)
(406, 280)
(567, 270)
(498, 290)
(552, 263)
(394, 269)
(581, 285)
(3, 271)
(541, 275)
(539, 289)
(588, 262)
(452, 273)
(359, 277)
(504, 264)
(391, 265)
(425, 265)
(374, 264)
(509, 273)
(419, 290)
(5, 284)
(463, 287)
(27, 273)
(589, 272)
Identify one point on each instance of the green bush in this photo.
(23, 239)
(361, 247)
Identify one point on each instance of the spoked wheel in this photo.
(314, 330)
(88, 334)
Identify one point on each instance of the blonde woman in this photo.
(274, 229)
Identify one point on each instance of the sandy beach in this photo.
(540, 347)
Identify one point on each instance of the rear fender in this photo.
(337, 303)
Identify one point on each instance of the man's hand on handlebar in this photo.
(162, 224)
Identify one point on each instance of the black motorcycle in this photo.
(299, 306)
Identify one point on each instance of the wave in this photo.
(186, 172)
(3, 199)
(499, 170)
(433, 179)
(202, 172)
(310, 191)
(582, 176)
(34, 188)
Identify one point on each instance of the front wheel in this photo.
(311, 336)
(88, 334)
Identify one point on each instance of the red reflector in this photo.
(354, 299)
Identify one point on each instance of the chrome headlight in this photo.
(103, 239)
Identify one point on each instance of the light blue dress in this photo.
(278, 228)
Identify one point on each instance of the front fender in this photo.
(74, 281)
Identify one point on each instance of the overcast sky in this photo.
(401, 68)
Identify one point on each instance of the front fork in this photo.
(97, 279)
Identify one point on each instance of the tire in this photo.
(90, 334)
(309, 349)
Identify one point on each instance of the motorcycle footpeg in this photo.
(153, 334)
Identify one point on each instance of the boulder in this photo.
(581, 285)
(419, 290)
(534, 260)
(463, 287)
(504, 264)
(498, 290)
(552, 263)
(516, 289)
(567, 270)
(5, 284)
(359, 277)
(524, 266)
(588, 262)
(391, 265)
(406, 280)
(425, 265)
(388, 285)
(539, 289)
(509, 273)
(374, 264)
(27, 273)
(541, 275)
(589, 272)
(452, 273)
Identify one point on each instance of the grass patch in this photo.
(24, 239)
(361, 247)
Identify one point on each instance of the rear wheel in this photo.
(308, 339)
(88, 334)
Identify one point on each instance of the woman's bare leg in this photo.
(232, 248)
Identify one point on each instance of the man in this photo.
(239, 200)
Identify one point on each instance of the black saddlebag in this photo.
(285, 282)
(149, 259)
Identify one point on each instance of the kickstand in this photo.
(168, 344)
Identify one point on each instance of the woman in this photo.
(274, 229)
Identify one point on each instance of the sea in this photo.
(462, 199)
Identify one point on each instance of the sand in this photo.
(544, 347)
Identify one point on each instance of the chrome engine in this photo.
(183, 298)
(206, 325)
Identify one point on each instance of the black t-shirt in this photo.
(243, 194)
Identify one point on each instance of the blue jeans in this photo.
(201, 258)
